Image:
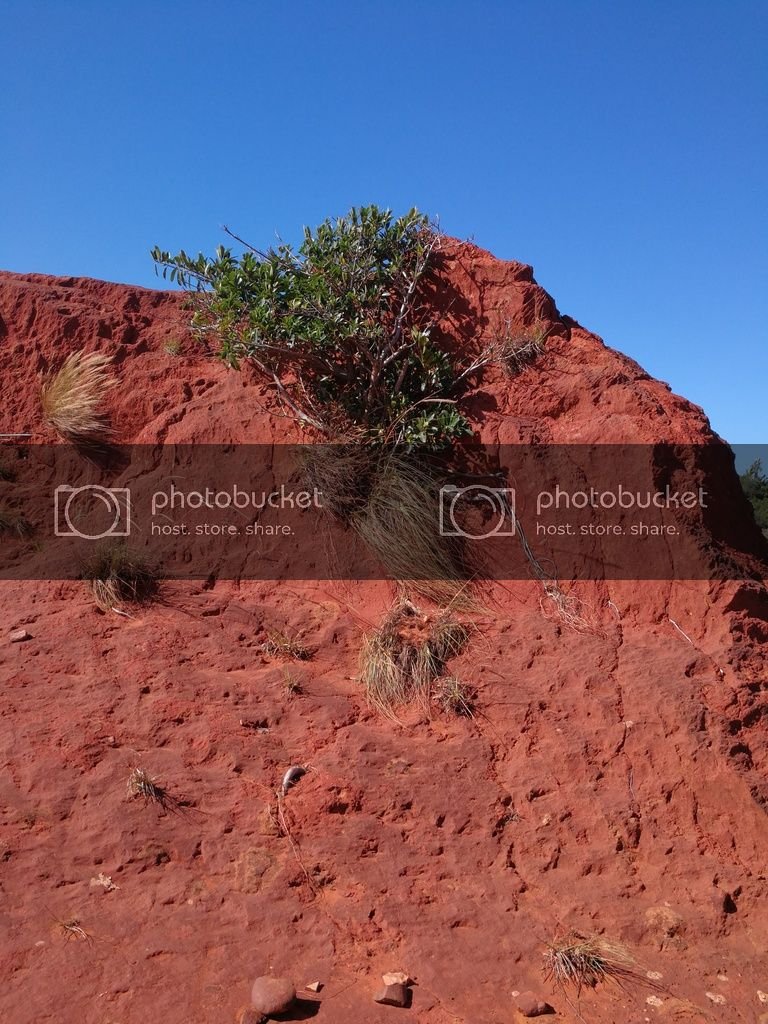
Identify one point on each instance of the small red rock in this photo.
(247, 1015)
(19, 636)
(393, 995)
(272, 995)
(531, 1006)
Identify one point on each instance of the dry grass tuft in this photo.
(341, 473)
(392, 502)
(576, 961)
(519, 347)
(282, 645)
(14, 522)
(400, 660)
(292, 684)
(400, 523)
(118, 576)
(71, 397)
(142, 784)
(455, 697)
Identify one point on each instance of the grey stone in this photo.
(393, 995)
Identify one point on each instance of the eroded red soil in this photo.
(611, 781)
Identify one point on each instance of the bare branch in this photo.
(247, 245)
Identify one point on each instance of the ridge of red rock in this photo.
(612, 781)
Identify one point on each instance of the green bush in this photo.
(755, 484)
(339, 327)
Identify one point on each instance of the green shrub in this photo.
(755, 484)
(339, 327)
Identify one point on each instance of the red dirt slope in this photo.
(612, 780)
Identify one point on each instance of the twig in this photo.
(294, 845)
(681, 632)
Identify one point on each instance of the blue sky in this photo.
(619, 147)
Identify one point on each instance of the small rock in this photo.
(105, 881)
(271, 996)
(247, 1015)
(396, 978)
(18, 636)
(292, 776)
(715, 997)
(530, 1005)
(314, 986)
(393, 995)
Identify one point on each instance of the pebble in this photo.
(529, 1004)
(18, 636)
(393, 995)
(396, 978)
(250, 1016)
(272, 995)
(294, 773)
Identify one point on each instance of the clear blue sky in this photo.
(618, 146)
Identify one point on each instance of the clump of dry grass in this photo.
(519, 347)
(341, 473)
(71, 397)
(577, 960)
(455, 697)
(142, 784)
(292, 684)
(402, 658)
(280, 644)
(392, 502)
(399, 521)
(14, 522)
(119, 576)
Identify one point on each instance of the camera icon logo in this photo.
(92, 512)
(477, 512)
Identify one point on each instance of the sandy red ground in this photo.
(612, 781)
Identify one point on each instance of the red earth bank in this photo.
(612, 780)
